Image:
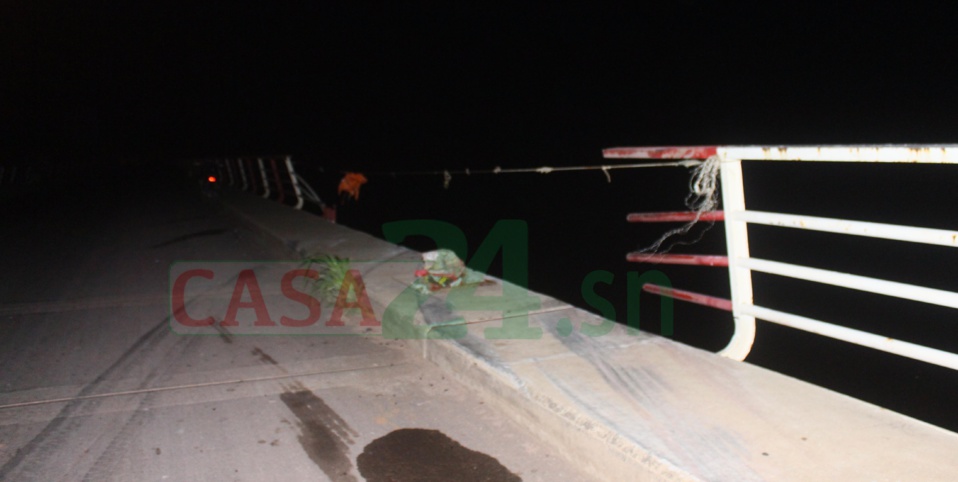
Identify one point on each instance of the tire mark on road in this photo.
(324, 435)
(62, 423)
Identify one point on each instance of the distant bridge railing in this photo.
(741, 265)
(272, 178)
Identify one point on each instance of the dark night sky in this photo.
(435, 84)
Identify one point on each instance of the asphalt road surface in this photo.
(95, 386)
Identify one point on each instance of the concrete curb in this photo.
(626, 407)
(576, 435)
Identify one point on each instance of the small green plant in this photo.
(332, 272)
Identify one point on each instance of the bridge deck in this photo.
(96, 384)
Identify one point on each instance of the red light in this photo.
(211, 179)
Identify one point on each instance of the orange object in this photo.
(351, 183)
(211, 179)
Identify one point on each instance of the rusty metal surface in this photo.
(676, 152)
(675, 216)
(685, 259)
(690, 296)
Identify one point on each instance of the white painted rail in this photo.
(912, 234)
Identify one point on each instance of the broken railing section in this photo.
(741, 264)
(683, 259)
(272, 178)
(690, 296)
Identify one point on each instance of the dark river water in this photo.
(576, 226)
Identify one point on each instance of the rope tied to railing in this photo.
(447, 174)
(702, 198)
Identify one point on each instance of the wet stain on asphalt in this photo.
(324, 435)
(187, 237)
(415, 454)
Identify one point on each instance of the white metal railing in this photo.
(255, 174)
(273, 177)
(741, 264)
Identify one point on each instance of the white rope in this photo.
(702, 198)
(703, 187)
(540, 170)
